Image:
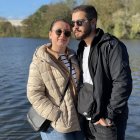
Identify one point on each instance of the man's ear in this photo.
(94, 21)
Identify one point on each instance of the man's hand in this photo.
(103, 122)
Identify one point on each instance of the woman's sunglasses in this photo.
(66, 33)
(79, 22)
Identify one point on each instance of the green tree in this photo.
(135, 26)
(38, 24)
(120, 24)
(105, 11)
(6, 29)
(33, 24)
(70, 3)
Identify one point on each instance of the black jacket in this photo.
(111, 75)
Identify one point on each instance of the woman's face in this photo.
(60, 34)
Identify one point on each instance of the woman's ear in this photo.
(50, 35)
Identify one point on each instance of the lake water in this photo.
(15, 58)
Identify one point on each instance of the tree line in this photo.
(118, 17)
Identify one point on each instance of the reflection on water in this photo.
(15, 57)
(134, 50)
(133, 127)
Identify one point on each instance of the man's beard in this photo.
(86, 34)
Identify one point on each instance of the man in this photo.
(104, 65)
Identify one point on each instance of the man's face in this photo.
(81, 25)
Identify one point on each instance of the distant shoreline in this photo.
(15, 22)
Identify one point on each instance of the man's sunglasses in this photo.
(66, 33)
(79, 22)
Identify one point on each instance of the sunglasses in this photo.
(79, 22)
(66, 33)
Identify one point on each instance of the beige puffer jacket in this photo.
(47, 78)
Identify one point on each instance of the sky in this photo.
(21, 9)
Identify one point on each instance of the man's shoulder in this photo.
(109, 37)
(111, 41)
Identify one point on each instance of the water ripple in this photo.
(13, 79)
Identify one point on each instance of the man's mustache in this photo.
(76, 30)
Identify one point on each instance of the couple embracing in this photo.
(95, 105)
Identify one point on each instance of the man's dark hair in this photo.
(90, 11)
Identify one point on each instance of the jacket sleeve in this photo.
(36, 94)
(121, 78)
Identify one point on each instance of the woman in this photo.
(49, 71)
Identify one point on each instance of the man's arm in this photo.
(121, 78)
